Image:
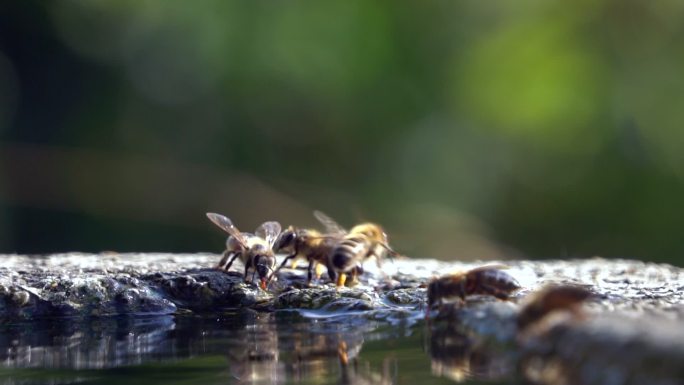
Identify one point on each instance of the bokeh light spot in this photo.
(535, 81)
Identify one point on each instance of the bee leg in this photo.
(230, 262)
(318, 271)
(331, 272)
(354, 277)
(281, 266)
(341, 279)
(309, 272)
(247, 266)
(226, 254)
(289, 257)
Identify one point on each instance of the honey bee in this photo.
(551, 299)
(352, 248)
(487, 280)
(305, 243)
(254, 250)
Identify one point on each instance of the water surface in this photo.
(247, 347)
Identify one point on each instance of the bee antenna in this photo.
(391, 258)
(391, 251)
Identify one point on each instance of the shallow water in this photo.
(248, 347)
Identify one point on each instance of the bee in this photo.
(254, 250)
(255, 356)
(551, 299)
(305, 243)
(461, 357)
(487, 280)
(353, 247)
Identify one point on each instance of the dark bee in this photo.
(254, 250)
(486, 280)
(353, 248)
(305, 243)
(551, 299)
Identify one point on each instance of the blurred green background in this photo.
(469, 129)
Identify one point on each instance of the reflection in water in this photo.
(461, 357)
(284, 347)
(247, 348)
(310, 351)
(259, 348)
(254, 355)
(97, 344)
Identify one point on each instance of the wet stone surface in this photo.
(109, 284)
(631, 325)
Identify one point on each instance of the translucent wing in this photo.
(330, 225)
(268, 231)
(328, 238)
(226, 225)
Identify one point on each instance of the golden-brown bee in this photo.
(305, 243)
(254, 250)
(551, 299)
(353, 247)
(487, 280)
(461, 356)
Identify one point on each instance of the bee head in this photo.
(263, 264)
(285, 241)
(370, 230)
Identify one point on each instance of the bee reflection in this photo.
(256, 358)
(320, 356)
(293, 354)
(460, 357)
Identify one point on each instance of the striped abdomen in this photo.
(445, 288)
(492, 282)
(350, 251)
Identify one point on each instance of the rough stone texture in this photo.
(632, 332)
(607, 349)
(79, 284)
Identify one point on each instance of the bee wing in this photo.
(268, 231)
(327, 237)
(330, 225)
(226, 225)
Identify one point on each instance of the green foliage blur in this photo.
(469, 129)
